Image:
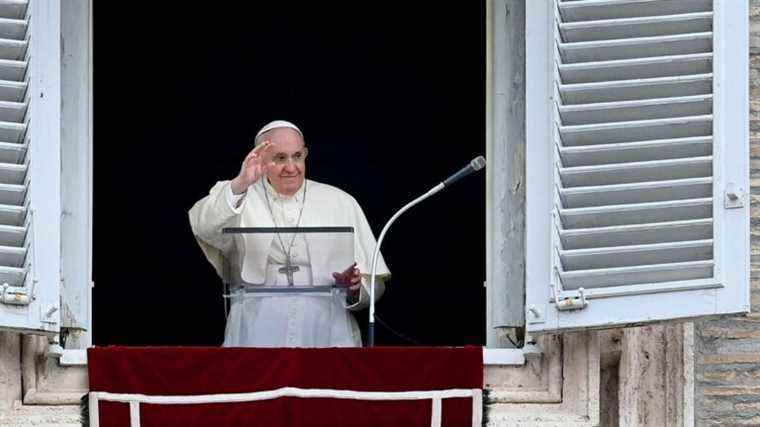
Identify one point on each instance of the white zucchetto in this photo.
(274, 125)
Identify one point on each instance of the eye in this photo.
(298, 156)
(279, 158)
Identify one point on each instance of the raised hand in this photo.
(349, 278)
(254, 167)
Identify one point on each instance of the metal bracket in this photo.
(54, 348)
(47, 315)
(570, 303)
(531, 349)
(734, 196)
(534, 315)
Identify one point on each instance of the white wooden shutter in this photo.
(637, 134)
(30, 128)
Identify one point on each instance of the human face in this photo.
(286, 177)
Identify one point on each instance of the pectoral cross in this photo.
(288, 270)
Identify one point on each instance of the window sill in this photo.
(503, 356)
(491, 356)
(73, 358)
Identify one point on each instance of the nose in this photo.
(290, 165)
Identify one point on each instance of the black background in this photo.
(390, 97)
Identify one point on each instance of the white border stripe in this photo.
(477, 407)
(436, 397)
(283, 392)
(94, 411)
(134, 414)
(435, 417)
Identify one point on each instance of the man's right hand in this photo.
(254, 167)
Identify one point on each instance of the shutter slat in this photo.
(12, 256)
(626, 90)
(12, 70)
(594, 10)
(627, 256)
(620, 173)
(640, 47)
(586, 155)
(12, 111)
(12, 91)
(636, 213)
(12, 152)
(640, 130)
(14, 29)
(13, 276)
(12, 215)
(12, 132)
(611, 29)
(12, 235)
(12, 49)
(11, 173)
(638, 234)
(13, 9)
(637, 68)
(580, 197)
(11, 194)
(659, 273)
(643, 109)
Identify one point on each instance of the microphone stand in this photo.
(475, 165)
(371, 326)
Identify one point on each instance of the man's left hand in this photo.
(349, 279)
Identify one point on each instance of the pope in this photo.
(271, 190)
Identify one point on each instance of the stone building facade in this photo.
(727, 361)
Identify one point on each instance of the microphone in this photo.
(475, 165)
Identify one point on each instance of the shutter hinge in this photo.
(564, 303)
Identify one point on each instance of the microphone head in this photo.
(478, 163)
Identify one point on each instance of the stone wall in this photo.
(45, 386)
(727, 365)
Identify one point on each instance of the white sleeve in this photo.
(212, 213)
(235, 200)
(364, 248)
(363, 300)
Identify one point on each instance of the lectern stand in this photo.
(272, 299)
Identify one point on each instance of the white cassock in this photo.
(285, 320)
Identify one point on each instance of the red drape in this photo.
(193, 371)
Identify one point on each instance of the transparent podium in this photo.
(279, 283)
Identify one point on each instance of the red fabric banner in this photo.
(165, 371)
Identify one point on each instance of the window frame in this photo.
(77, 356)
(77, 173)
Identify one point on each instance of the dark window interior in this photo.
(391, 98)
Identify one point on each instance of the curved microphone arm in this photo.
(475, 165)
(371, 326)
